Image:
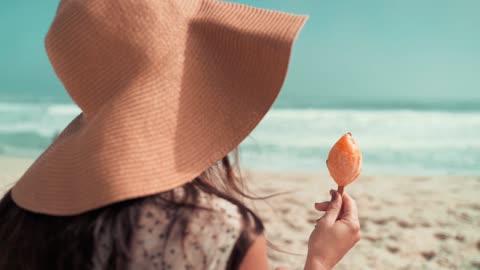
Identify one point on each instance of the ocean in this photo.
(398, 140)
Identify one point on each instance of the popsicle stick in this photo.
(340, 190)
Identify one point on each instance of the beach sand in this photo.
(407, 222)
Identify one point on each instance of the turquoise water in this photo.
(408, 140)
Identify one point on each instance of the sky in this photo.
(349, 50)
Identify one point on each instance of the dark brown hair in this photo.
(36, 241)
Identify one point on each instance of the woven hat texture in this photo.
(166, 88)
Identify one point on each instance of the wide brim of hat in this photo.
(163, 130)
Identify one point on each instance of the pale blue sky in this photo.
(349, 50)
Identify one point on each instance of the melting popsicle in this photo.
(344, 161)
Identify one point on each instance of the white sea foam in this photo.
(17, 107)
(393, 141)
(69, 110)
(373, 129)
(400, 140)
(40, 119)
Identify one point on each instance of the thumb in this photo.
(334, 207)
(281, 268)
(350, 212)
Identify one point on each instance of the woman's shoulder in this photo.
(219, 225)
(183, 237)
(219, 209)
(230, 214)
(233, 228)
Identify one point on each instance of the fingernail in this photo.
(334, 194)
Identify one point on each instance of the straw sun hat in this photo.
(166, 89)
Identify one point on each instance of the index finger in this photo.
(350, 211)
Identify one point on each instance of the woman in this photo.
(142, 178)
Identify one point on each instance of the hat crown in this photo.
(100, 48)
(167, 88)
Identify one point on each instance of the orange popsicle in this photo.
(344, 161)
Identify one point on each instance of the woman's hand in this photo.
(335, 233)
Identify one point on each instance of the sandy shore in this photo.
(407, 222)
(10, 170)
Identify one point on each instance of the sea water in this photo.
(407, 141)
